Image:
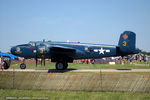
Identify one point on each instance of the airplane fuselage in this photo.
(82, 50)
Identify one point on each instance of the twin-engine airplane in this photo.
(65, 52)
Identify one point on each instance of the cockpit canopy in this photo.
(32, 43)
(38, 43)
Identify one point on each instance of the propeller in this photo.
(43, 59)
(40, 54)
(43, 56)
(44, 52)
(36, 55)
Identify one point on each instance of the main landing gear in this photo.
(61, 65)
(61, 62)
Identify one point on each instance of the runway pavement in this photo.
(78, 70)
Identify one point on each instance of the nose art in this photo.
(16, 50)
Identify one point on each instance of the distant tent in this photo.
(12, 57)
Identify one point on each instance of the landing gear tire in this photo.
(23, 66)
(6, 65)
(61, 65)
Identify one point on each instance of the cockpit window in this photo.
(34, 44)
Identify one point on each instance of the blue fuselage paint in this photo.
(82, 50)
(82, 53)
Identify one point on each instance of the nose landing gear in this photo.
(23, 66)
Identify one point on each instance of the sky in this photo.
(87, 21)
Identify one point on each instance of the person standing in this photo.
(140, 58)
(146, 58)
(1, 62)
(130, 59)
(0, 59)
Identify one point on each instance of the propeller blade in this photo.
(36, 56)
(41, 60)
(44, 59)
(36, 61)
(45, 51)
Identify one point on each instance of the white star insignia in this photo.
(101, 51)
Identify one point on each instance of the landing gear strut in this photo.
(61, 65)
(23, 65)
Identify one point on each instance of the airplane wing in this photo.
(58, 48)
(59, 51)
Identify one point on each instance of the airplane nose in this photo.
(13, 49)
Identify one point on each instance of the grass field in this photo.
(75, 81)
(89, 66)
(68, 95)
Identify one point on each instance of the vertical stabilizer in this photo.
(127, 42)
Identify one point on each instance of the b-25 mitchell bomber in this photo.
(65, 52)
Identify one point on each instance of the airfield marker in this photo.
(111, 76)
(76, 77)
(50, 75)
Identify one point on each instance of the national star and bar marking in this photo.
(101, 51)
